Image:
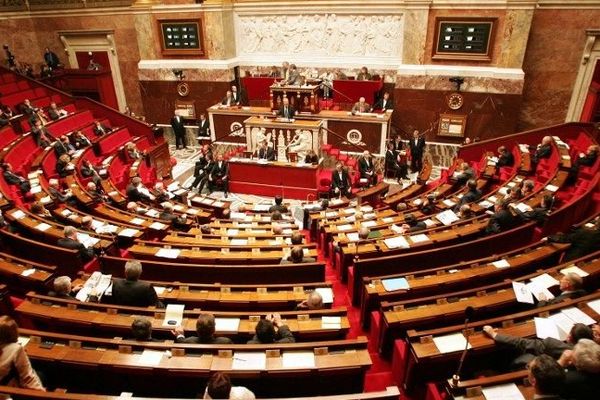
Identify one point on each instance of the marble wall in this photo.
(552, 61)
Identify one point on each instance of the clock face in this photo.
(455, 101)
(183, 89)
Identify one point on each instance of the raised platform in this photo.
(290, 180)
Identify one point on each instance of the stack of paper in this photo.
(396, 242)
(391, 285)
(18, 214)
(173, 315)
(28, 272)
(238, 242)
(368, 224)
(574, 269)
(449, 203)
(352, 236)
(388, 220)
(137, 221)
(157, 226)
(326, 294)
(87, 240)
(152, 213)
(43, 226)
(451, 343)
(545, 327)
(233, 232)
(331, 322)
(551, 188)
(523, 207)
(397, 229)
(249, 361)
(298, 359)
(168, 253)
(447, 217)
(594, 305)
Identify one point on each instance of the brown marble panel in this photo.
(489, 115)
(159, 97)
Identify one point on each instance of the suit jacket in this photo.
(470, 196)
(543, 151)
(538, 214)
(583, 241)
(580, 385)
(133, 194)
(390, 158)
(358, 108)
(219, 171)
(281, 208)
(60, 148)
(363, 76)
(389, 105)
(417, 149)
(56, 194)
(228, 101)
(291, 112)
(172, 218)
(37, 137)
(15, 368)
(506, 160)
(340, 182)
(81, 142)
(464, 176)
(311, 159)
(199, 166)
(563, 296)
(587, 161)
(51, 59)
(53, 114)
(365, 167)
(197, 340)
(177, 125)
(418, 226)
(100, 130)
(85, 253)
(284, 335)
(294, 78)
(61, 169)
(501, 221)
(12, 179)
(550, 346)
(204, 128)
(133, 293)
(266, 154)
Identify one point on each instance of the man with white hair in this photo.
(56, 193)
(367, 169)
(168, 215)
(131, 291)
(63, 288)
(571, 287)
(136, 191)
(70, 241)
(583, 370)
(314, 301)
(361, 106)
(160, 193)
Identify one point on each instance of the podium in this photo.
(304, 99)
(281, 133)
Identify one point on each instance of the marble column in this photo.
(415, 35)
(514, 37)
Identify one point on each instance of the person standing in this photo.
(417, 148)
(179, 130)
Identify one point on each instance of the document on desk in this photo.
(419, 238)
(391, 285)
(157, 226)
(159, 290)
(238, 242)
(150, 358)
(563, 324)
(342, 228)
(326, 294)
(449, 203)
(331, 322)
(128, 232)
(507, 391)
(173, 315)
(137, 221)
(152, 213)
(168, 253)
(298, 359)
(227, 324)
(546, 327)
(18, 214)
(539, 292)
(451, 343)
(249, 361)
(398, 242)
(545, 281)
(368, 224)
(43, 227)
(574, 269)
(522, 293)
(388, 220)
(523, 207)
(352, 236)
(28, 272)
(578, 316)
(501, 264)
(594, 305)
(87, 240)
(233, 232)
(447, 217)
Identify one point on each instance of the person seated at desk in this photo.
(392, 163)
(363, 75)
(203, 128)
(58, 194)
(367, 169)
(4, 117)
(314, 301)
(537, 214)
(135, 208)
(205, 332)
(88, 170)
(502, 219)
(160, 193)
(583, 241)
(56, 113)
(62, 288)
(272, 330)
(528, 348)
(412, 224)
(15, 368)
(465, 212)
(228, 100)
(361, 106)
(64, 167)
(168, 215)
(99, 129)
(297, 257)
(311, 157)
(40, 134)
(286, 110)
(547, 377)
(131, 291)
(238, 96)
(544, 150)
(132, 151)
(219, 175)
(276, 216)
(582, 370)
(13, 178)
(265, 152)
(70, 241)
(297, 238)
(384, 103)
(63, 146)
(571, 287)
(80, 141)
(219, 387)
(340, 181)
(38, 209)
(141, 330)
(505, 158)
(586, 159)
(96, 193)
(278, 206)
(473, 194)
(527, 187)
(28, 109)
(136, 191)
(274, 72)
(202, 168)
(464, 174)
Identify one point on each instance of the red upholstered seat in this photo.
(398, 356)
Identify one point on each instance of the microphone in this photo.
(469, 312)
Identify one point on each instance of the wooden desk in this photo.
(304, 99)
(373, 194)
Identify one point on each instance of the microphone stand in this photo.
(456, 377)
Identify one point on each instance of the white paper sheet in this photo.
(173, 314)
(545, 281)
(343, 228)
(398, 242)
(28, 272)
(150, 358)
(137, 221)
(574, 269)
(87, 240)
(227, 324)
(551, 188)
(522, 293)
(326, 293)
(449, 203)
(508, 391)
(395, 284)
(545, 327)
(157, 226)
(563, 324)
(43, 227)
(447, 217)
(578, 316)
(18, 214)
(419, 238)
(167, 253)
(331, 322)
(501, 264)
(298, 359)
(539, 292)
(388, 220)
(249, 361)
(451, 343)
(352, 236)
(128, 232)
(159, 290)
(595, 305)
(238, 242)
(523, 207)
(233, 232)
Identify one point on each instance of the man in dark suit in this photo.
(51, 59)
(417, 148)
(12, 178)
(340, 181)
(40, 134)
(367, 169)
(168, 215)
(582, 371)
(297, 257)
(266, 333)
(136, 191)
(199, 171)
(219, 174)
(544, 150)
(384, 103)
(586, 159)
(583, 241)
(203, 127)
(70, 241)
(286, 110)
(264, 152)
(238, 96)
(57, 194)
(412, 224)
(537, 214)
(131, 291)
(99, 129)
(63, 146)
(473, 194)
(547, 377)
(505, 158)
(205, 331)
(63, 289)
(571, 287)
(528, 348)
(179, 130)
(502, 219)
(228, 100)
(464, 174)
(278, 206)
